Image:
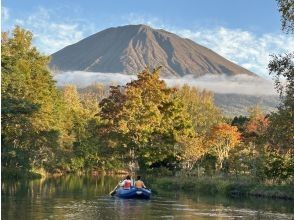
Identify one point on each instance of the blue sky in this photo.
(243, 31)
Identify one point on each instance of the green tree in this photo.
(281, 130)
(239, 122)
(30, 104)
(281, 67)
(82, 149)
(249, 156)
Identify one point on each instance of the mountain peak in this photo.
(131, 28)
(138, 26)
(130, 48)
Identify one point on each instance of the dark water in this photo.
(86, 197)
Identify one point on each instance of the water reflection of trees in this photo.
(56, 186)
(18, 197)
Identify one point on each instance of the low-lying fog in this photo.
(240, 84)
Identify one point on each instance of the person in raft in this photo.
(139, 183)
(127, 183)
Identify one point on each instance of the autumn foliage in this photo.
(223, 138)
(258, 122)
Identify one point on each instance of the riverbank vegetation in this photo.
(228, 186)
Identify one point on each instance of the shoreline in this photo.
(226, 186)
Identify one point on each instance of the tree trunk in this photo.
(219, 165)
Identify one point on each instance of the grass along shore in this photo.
(226, 186)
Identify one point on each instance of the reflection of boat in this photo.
(133, 193)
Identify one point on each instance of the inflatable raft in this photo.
(133, 193)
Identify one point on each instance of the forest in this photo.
(143, 126)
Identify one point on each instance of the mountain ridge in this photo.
(129, 49)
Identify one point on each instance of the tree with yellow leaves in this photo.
(223, 137)
(192, 149)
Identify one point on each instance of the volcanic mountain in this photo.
(129, 49)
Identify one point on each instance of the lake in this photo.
(86, 197)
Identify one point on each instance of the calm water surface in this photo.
(86, 197)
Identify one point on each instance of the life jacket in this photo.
(139, 184)
(128, 184)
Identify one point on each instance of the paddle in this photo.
(112, 193)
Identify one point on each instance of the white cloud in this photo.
(82, 79)
(51, 36)
(4, 13)
(241, 84)
(242, 47)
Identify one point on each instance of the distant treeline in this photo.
(143, 125)
(237, 104)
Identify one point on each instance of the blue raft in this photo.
(133, 193)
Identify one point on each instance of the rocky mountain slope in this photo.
(129, 49)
